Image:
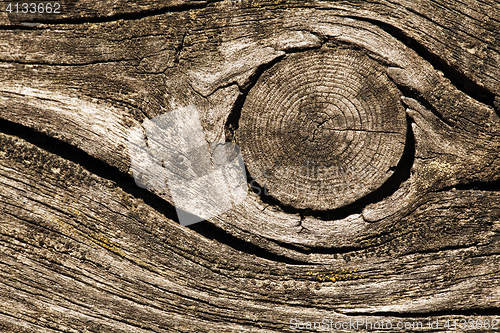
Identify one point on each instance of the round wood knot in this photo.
(322, 128)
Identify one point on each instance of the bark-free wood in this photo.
(83, 249)
(322, 129)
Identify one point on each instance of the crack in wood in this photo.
(401, 174)
(127, 183)
(441, 242)
(458, 79)
(130, 16)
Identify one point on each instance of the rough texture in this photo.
(83, 249)
(322, 129)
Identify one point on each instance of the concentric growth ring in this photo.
(322, 128)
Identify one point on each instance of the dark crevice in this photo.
(90, 63)
(179, 48)
(401, 171)
(232, 122)
(103, 19)
(457, 78)
(21, 26)
(299, 49)
(89, 163)
(477, 186)
(442, 313)
(346, 251)
(321, 250)
(407, 92)
(496, 104)
(391, 185)
(127, 184)
(213, 232)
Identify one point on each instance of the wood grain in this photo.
(83, 249)
(322, 129)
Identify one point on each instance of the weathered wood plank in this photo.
(463, 34)
(83, 11)
(105, 260)
(87, 250)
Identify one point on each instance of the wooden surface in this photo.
(84, 249)
(322, 129)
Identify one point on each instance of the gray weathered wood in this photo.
(82, 249)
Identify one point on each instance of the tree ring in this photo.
(322, 128)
